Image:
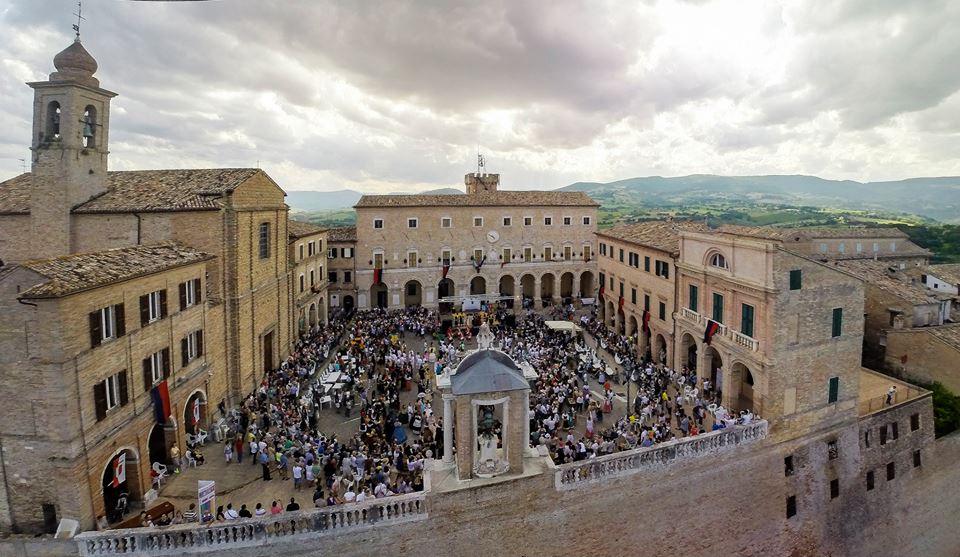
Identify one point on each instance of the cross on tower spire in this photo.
(79, 14)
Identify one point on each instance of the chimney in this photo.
(481, 183)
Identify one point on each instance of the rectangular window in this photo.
(621, 255)
(633, 296)
(842, 247)
(378, 261)
(796, 279)
(347, 276)
(662, 268)
(834, 488)
(445, 257)
(788, 466)
(586, 252)
(876, 247)
(528, 221)
(191, 347)
(823, 248)
(883, 434)
(507, 221)
(156, 367)
(916, 458)
(646, 263)
(834, 390)
(301, 251)
(446, 222)
(621, 289)
(346, 253)
(914, 422)
(110, 393)
(189, 293)
(312, 249)
(153, 306)
(106, 323)
(870, 480)
(694, 297)
(894, 430)
(567, 253)
(586, 221)
(113, 391)
(332, 253)
(746, 320)
(893, 247)
(791, 506)
(832, 450)
(837, 327)
(859, 247)
(302, 282)
(332, 277)
(527, 255)
(718, 307)
(866, 438)
(377, 224)
(891, 471)
(646, 302)
(567, 221)
(548, 221)
(603, 248)
(548, 253)
(507, 255)
(477, 221)
(663, 311)
(264, 240)
(412, 223)
(411, 259)
(478, 255)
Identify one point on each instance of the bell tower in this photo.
(71, 116)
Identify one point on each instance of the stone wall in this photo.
(919, 355)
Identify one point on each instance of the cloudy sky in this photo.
(398, 96)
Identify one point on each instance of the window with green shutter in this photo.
(663, 311)
(746, 320)
(796, 279)
(694, 297)
(837, 321)
(646, 263)
(834, 394)
(646, 302)
(718, 307)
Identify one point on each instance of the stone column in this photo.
(537, 300)
(448, 429)
(525, 407)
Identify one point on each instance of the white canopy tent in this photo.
(566, 326)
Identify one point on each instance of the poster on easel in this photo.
(206, 496)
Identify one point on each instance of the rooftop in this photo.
(658, 234)
(847, 232)
(342, 234)
(872, 394)
(947, 273)
(486, 371)
(890, 278)
(950, 334)
(299, 229)
(75, 273)
(761, 232)
(142, 190)
(493, 199)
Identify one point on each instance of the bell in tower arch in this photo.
(89, 121)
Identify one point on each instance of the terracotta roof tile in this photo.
(949, 334)
(495, 199)
(299, 229)
(947, 273)
(762, 232)
(847, 232)
(660, 235)
(75, 273)
(342, 234)
(890, 278)
(15, 195)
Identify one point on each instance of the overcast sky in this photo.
(397, 96)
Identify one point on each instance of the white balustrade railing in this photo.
(691, 315)
(747, 342)
(223, 536)
(576, 474)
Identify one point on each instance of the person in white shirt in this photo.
(350, 496)
(231, 514)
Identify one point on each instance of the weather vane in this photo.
(79, 14)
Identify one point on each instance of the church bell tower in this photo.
(71, 116)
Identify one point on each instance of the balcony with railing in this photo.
(577, 474)
(724, 333)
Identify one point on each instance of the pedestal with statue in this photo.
(486, 399)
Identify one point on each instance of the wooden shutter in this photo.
(196, 291)
(165, 356)
(96, 333)
(144, 310)
(121, 316)
(184, 357)
(199, 343)
(147, 375)
(183, 296)
(100, 400)
(163, 303)
(124, 394)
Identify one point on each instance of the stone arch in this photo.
(194, 415)
(632, 325)
(586, 284)
(713, 368)
(547, 287)
(446, 287)
(528, 285)
(52, 127)
(313, 315)
(611, 313)
(90, 123)
(716, 258)
(507, 287)
(302, 321)
(566, 285)
(688, 351)
(478, 286)
(660, 353)
(412, 293)
(743, 388)
(131, 484)
(378, 295)
(348, 303)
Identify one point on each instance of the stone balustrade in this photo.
(223, 536)
(691, 315)
(745, 341)
(576, 474)
(723, 331)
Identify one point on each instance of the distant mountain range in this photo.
(341, 199)
(936, 198)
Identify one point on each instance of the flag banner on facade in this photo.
(646, 321)
(161, 402)
(478, 264)
(712, 328)
(446, 269)
(377, 276)
(196, 411)
(620, 304)
(502, 263)
(119, 470)
(600, 295)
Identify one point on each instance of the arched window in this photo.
(89, 126)
(52, 131)
(718, 260)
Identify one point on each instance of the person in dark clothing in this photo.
(293, 506)
(265, 463)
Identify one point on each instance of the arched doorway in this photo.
(661, 350)
(128, 468)
(586, 284)
(412, 293)
(478, 286)
(157, 445)
(378, 295)
(713, 366)
(195, 412)
(688, 351)
(546, 288)
(528, 286)
(601, 311)
(313, 315)
(507, 288)
(743, 395)
(611, 314)
(632, 325)
(302, 322)
(348, 303)
(445, 288)
(566, 286)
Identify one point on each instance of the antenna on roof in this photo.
(79, 14)
(23, 165)
(480, 162)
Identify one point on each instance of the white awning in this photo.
(563, 326)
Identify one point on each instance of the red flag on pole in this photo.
(377, 275)
(712, 328)
(646, 320)
(446, 269)
(119, 470)
(620, 304)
